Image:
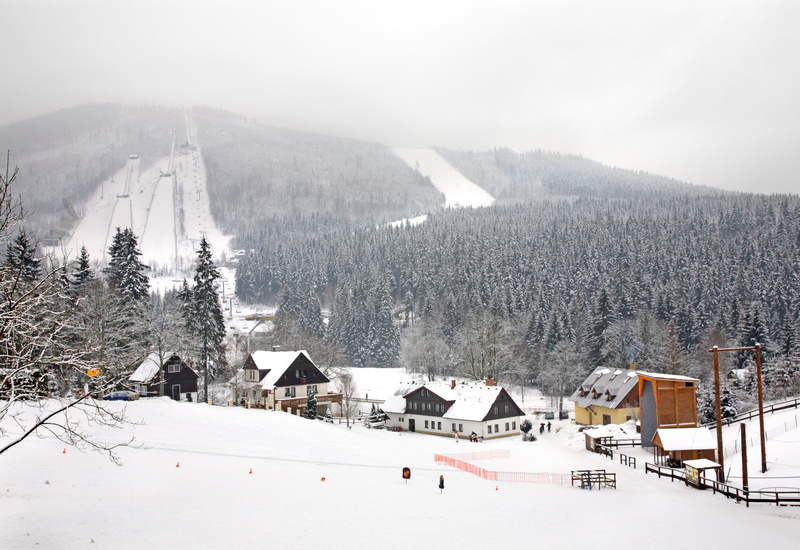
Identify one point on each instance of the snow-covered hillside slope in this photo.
(457, 189)
(220, 477)
(167, 208)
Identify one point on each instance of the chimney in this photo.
(276, 348)
(452, 384)
(489, 381)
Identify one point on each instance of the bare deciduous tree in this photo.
(37, 343)
(348, 388)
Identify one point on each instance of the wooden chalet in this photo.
(667, 401)
(283, 380)
(439, 408)
(607, 396)
(179, 378)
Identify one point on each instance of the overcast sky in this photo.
(706, 92)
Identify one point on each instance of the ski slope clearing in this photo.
(457, 189)
(167, 207)
(214, 477)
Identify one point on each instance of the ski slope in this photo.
(458, 190)
(166, 206)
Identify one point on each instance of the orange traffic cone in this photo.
(251, 470)
(178, 465)
(64, 452)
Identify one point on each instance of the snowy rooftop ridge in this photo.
(276, 362)
(148, 369)
(471, 400)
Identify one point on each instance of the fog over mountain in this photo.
(706, 93)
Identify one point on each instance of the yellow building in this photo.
(607, 396)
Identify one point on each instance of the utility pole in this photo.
(757, 349)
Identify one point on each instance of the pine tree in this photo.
(125, 272)
(206, 321)
(82, 272)
(311, 405)
(21, 255)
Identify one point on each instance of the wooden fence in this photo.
(588, 479)
(749, 415)
(779, 497)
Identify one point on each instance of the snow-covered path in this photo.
(457, 189)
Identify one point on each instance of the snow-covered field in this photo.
(457, 189)
(317, 484)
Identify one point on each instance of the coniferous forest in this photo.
(578, 264)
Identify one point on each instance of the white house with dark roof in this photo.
(283, 380)
(442, 408)
(607, 396)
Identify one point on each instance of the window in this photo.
(426, 424)
(414, 405)
(429, 406)
(311, 388)
(461, 427)
(174, 367)
(506, 426)
(289, 392)
(496, 429)
(438, 425)
(490, 428)
(495, 409)
(506, 408)
(513, 425)
(436, 407)
(454, 427)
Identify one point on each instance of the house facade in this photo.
(607, 396)
(179, 378)
(283, 380)
(439, 408)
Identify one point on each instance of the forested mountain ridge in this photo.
(511, 176)
(69, 153)
(259, 175)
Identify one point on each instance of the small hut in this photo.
(676, 445)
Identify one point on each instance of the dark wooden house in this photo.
(175, 378)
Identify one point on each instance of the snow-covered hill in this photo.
(167, 207)
(214, 477)
(457, 189)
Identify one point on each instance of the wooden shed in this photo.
(678, 445)
(666, 401)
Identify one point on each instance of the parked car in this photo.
(549, 415)
(563, 415)
(121, 396)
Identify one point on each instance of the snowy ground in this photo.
(457, 189)
(191, 486)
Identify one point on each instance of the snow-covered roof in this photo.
(605, 388)
(148, 369)
(470, 401)
(701, 463)
(661, 376)
(276, 363)
(685, 439)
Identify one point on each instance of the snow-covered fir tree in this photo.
(21, 256)
(125, 272)
(204, 312)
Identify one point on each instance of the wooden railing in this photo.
(779, 497)
(588, 479)
(748, 415)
